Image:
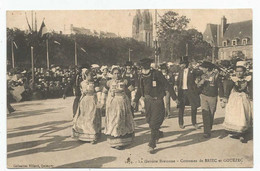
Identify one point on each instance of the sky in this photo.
(118, 21)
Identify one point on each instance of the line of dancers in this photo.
(116, 95)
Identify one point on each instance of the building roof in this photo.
(210, 34)
(239, 30)
(81, 30)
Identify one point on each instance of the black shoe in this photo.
(242, 140)
(119, 147)
(235, 136)
(94, 142)
(150, 150)
(196, 126)
(208, 135)
(181, 126)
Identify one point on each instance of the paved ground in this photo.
(39, 136)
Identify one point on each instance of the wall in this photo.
(226, 52)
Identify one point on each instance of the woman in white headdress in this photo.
(119, 123)
(87, 121)
(238, 112)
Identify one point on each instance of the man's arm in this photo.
(166, 85)
(138, 90)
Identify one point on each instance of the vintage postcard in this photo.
(139, 88)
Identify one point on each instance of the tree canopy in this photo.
(90, 49)
(173, 37)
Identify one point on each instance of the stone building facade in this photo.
(230, 39)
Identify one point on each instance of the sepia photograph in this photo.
(129, 88)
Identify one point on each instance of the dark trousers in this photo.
(10, 108)
(75, 105)
(207, 121)
(208, 106)
(154, 109)
(185, 99)
(193, 115)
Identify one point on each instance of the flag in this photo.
(43, 29)
(83, 50)
(15, 45)
(56, 42)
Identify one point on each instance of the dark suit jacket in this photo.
(193, 91)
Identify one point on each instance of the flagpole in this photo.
(155, 42)
(35, 22)
(129, 55)
(47, 56)
(32, 20)
(156, 57)
(32, 61)
(12, 54)
(187, 48)
(76, 57)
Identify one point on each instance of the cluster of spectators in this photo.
(59, 82)
(53, 83)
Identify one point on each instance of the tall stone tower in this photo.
(142, 27)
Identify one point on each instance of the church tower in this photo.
(142, 27)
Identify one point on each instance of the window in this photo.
(234, 42)
(244, 41)
(224, 43)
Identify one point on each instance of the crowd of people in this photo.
(53, 83)
(117, 92)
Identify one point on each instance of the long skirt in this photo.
(238, 116)
(87, 121)
(119, 121)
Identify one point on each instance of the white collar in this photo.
(247, 78)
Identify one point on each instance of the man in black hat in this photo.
(169, 77)
(209, 84)
(188, 92)
(152, 85)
